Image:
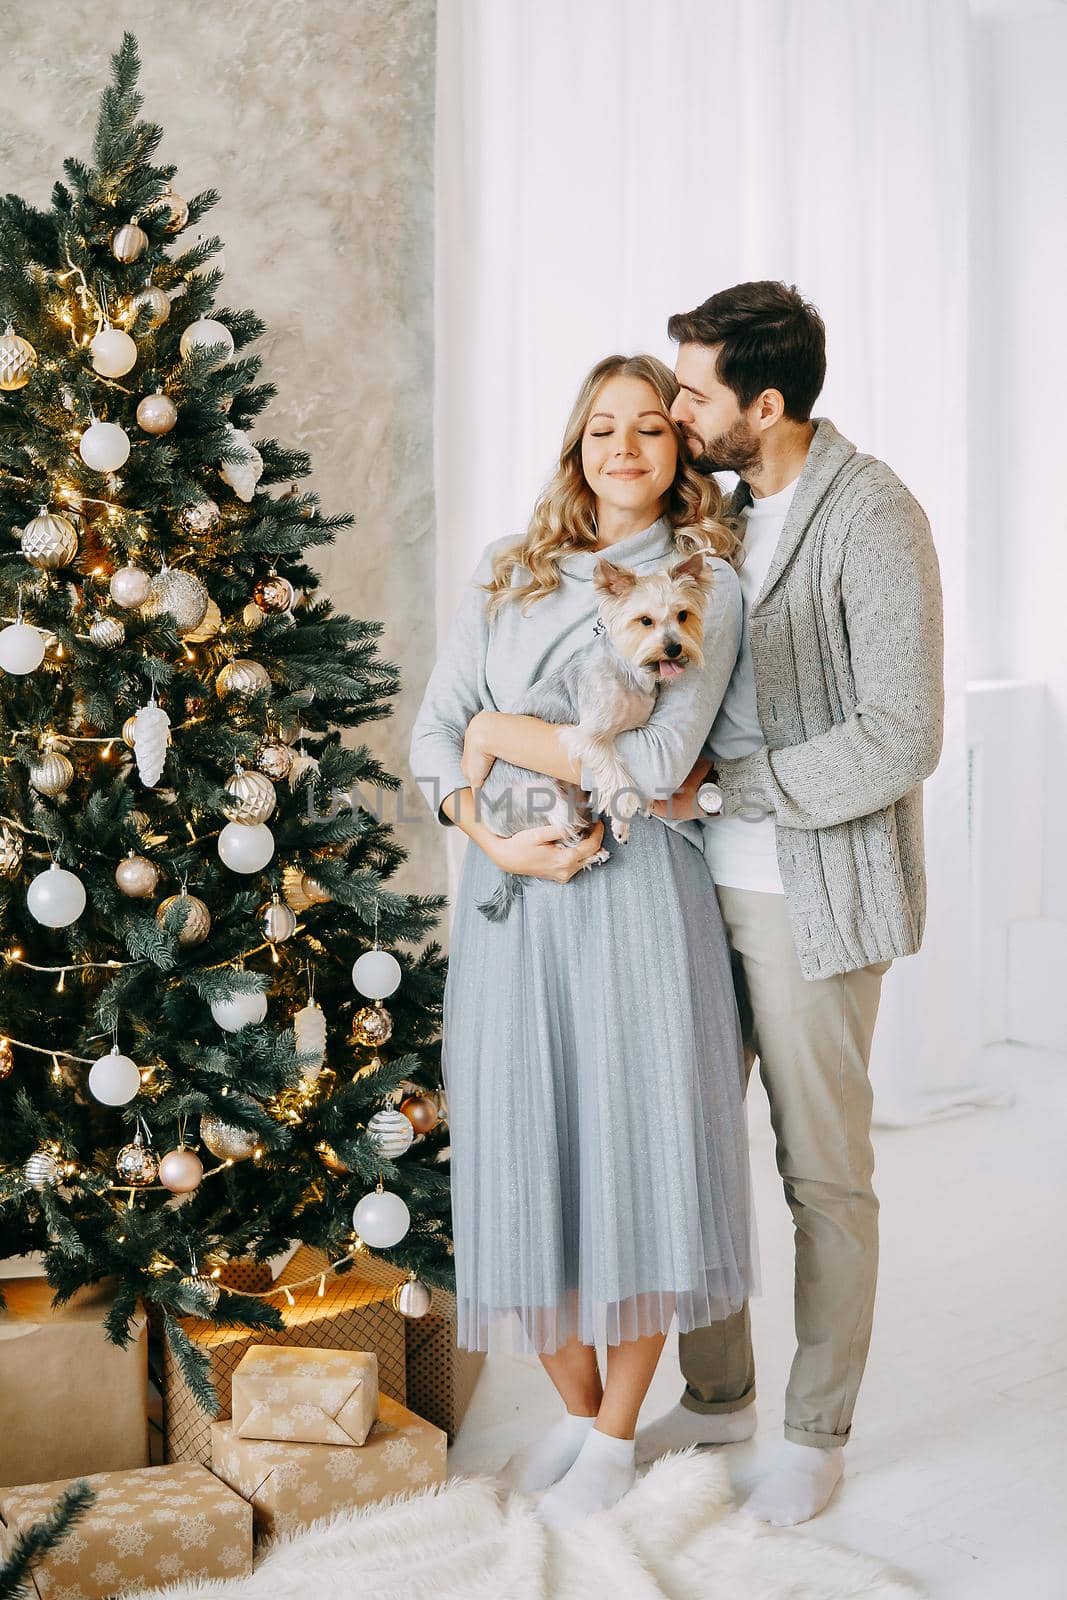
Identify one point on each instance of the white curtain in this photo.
(603, 163)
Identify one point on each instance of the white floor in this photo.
(957, 1469)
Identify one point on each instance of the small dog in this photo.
(650, 629)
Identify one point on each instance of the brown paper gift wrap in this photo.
(71, 1402)
(290, 1485)
(305, 1396)
(440, 1376)
(159, 1525)
(349, 1316)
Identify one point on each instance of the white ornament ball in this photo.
(181, 1171)
(21, 648)
(129, 242)
(204, 333)
(114, 353)
(129, 587)
(392, 1133)
(381, 1219)
(376, 974)
(240, 1010)
(156, 413)
(137, 877)
(56, 898)
(104, 446)
(309, 1027)
(245, 847)
(114, 1080)
(412, 1298)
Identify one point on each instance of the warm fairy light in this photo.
(62, 981)
(322, 1286)
(216, 1272)
(258, 1153)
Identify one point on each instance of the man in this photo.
(833, 720)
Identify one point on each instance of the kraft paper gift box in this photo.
(305, 1396)
(71, 1402)
(147, 1528)
(291, 1485)
(440, 1376)
(348, 1316)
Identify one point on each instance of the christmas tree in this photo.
(196, 931)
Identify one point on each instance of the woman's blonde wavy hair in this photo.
(564, 518)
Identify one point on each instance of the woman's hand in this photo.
(537, 853)
(477, 760)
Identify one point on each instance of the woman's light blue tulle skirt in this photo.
(593, 1068)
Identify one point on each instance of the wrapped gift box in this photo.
(348, 1316)
(305, 1396)
(440, 1376)
(290, 1485)
(71, 1402)
(146, 1528)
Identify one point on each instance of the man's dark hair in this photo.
(771, 338)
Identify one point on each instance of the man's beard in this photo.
(736, 450)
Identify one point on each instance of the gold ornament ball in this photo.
(273, 593)
(17, 361)
(314, 892)
(420, 1112)
(7, 1059)
(137, 876)
(136, 1165)
(41, 1170)
(51, 774)
(129, 730)
(107, 633)
(155, 301)
(252, 797)
(242, 677)
(372, 1025)
(274, 761)
(11, 851)
(197, 918)
(49, 541)
(226, 1141)
(129, 242)
(293, 889)
(412, 1298)
(156, 413)
(199, 516)
(181, 596)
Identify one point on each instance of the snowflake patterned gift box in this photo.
(291, 1485)
(305, 1396)
(155, 1526)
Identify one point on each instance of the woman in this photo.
(592, 1053)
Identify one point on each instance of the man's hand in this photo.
(537, 853)
(477, 761)
(682, 806)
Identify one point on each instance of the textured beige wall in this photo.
(315, 123)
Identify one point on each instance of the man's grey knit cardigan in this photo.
(847, 650)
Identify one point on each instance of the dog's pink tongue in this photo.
(669, 669)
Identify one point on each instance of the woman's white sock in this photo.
(603, 1472)
(545, 1460)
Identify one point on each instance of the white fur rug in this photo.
(676, 1536)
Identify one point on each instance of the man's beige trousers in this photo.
(813, 1040)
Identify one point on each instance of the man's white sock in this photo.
(800, 1486)
(546, 1459)
(680, 1427)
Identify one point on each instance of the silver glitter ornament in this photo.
(156, 302)
(41, 1170)
(11, 851)
(51, 774)
(279, 922)
(242, 677)
(129, 242)
(252, 797)
(391, 1132)
(137, 876)
(178, 595)
(136, 1165)
(197, 1295)
(107, 633)
(412, 1298)
(17, 361)
(226, 1141)
(49, 541)
(197, 924)
(274, 760)
(200, 516)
